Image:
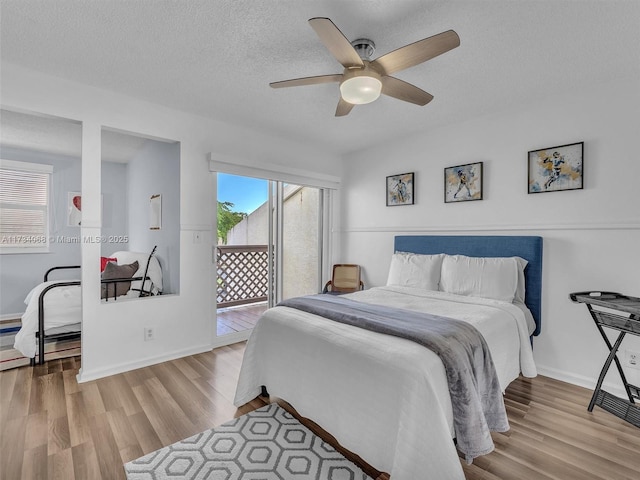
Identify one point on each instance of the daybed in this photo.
(54, 306)
(387, 398)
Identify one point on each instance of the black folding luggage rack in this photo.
(626, 409)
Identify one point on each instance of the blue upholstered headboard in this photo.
(529, 248)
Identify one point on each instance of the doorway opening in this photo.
(269, 248)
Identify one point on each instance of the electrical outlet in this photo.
(149, 333)
(632, 359)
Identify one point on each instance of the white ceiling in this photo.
(216, 57)
(59, 136)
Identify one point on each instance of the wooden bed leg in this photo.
(263, 391)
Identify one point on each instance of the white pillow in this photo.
(415, 270)
(485, 277)
(520, 289)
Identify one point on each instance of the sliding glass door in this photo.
(301, 240)
(269, 248)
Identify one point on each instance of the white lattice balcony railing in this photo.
(242, 274)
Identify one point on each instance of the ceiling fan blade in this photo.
(402, 90)
(343, 108)
(299, 82)
(418, 52)
(336, 42)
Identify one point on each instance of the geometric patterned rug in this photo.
(266, 444)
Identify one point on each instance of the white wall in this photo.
(155, 170)
(112, 338)
(591, 236)
(115, 203)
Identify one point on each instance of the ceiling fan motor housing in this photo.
(364, 47)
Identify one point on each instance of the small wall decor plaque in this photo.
(74, 209)
(155, 221)
(400, 189)
(556, 168)
(463, 183)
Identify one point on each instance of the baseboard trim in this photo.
(87, 376)
(231, 338)
(580, 381)
(11, 317)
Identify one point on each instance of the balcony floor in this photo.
(240, 318)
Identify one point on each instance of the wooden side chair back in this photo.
(345, 278)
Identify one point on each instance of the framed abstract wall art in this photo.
(400, 189)
(556, 168)
(463, 183)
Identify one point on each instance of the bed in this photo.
(54, 307)
(383, 397)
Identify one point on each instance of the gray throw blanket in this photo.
(476, 397)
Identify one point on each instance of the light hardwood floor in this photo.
(238, 319)
(53, 427)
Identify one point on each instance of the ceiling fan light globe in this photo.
(360, 90)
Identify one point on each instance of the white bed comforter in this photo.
(382, 397)
(62, 306)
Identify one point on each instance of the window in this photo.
(24, 207)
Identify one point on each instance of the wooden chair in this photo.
(344, 279)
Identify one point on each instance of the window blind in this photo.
(24, 207)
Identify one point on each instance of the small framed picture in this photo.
(155, 212)
(555, 169)
(463, 183)
(400, 189)
(74, 209)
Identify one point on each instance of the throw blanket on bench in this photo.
(476, 397)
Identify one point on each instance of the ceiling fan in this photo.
(363, 79)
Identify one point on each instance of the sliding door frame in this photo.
(275, 244)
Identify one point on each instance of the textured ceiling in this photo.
(58, 136)
(216, 57)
